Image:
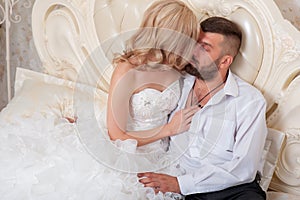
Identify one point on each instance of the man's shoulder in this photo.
(247, 90)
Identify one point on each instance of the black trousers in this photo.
(247, 191)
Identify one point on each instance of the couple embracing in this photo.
(187, 127)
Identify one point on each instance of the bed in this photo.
(76, 41)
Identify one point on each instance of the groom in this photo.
(221, 152)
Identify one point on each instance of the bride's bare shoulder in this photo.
(120, 70)
(123, 67)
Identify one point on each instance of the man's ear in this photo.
(226, 61)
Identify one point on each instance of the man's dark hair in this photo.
(231, 32)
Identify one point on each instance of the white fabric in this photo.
(270, 156)
(225, 142)
(46, 157)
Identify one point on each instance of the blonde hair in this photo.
(167, 35)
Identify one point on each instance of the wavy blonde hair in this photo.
(167, 35)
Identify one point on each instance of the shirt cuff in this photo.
(186, 184)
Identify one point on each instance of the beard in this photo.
(206, 73)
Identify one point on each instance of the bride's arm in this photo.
(180, 123)
(121, 88)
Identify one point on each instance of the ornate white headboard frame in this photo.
(74, 41)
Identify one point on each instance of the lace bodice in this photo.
(150, 108)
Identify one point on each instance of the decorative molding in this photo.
(288, 170)
(285, 47)
(214, 8)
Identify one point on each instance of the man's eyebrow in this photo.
(206, 44)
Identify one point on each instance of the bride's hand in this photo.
(181, 120)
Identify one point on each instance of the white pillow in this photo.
(271, 153)
(48, 95)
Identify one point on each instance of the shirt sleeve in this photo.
(251, 132)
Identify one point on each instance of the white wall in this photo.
(23, 53)
(290, 10)
(3, 93)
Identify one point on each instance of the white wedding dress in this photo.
(45, 158)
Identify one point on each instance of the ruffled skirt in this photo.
(44, 157)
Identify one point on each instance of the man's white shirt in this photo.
(224, 144)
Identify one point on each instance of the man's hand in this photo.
(159, 182)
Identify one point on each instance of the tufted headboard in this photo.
(77, 39)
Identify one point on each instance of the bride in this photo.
(145, 88)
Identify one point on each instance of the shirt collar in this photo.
(230, 88)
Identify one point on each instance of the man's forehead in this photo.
(209, 37)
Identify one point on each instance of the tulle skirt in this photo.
(45, 157)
